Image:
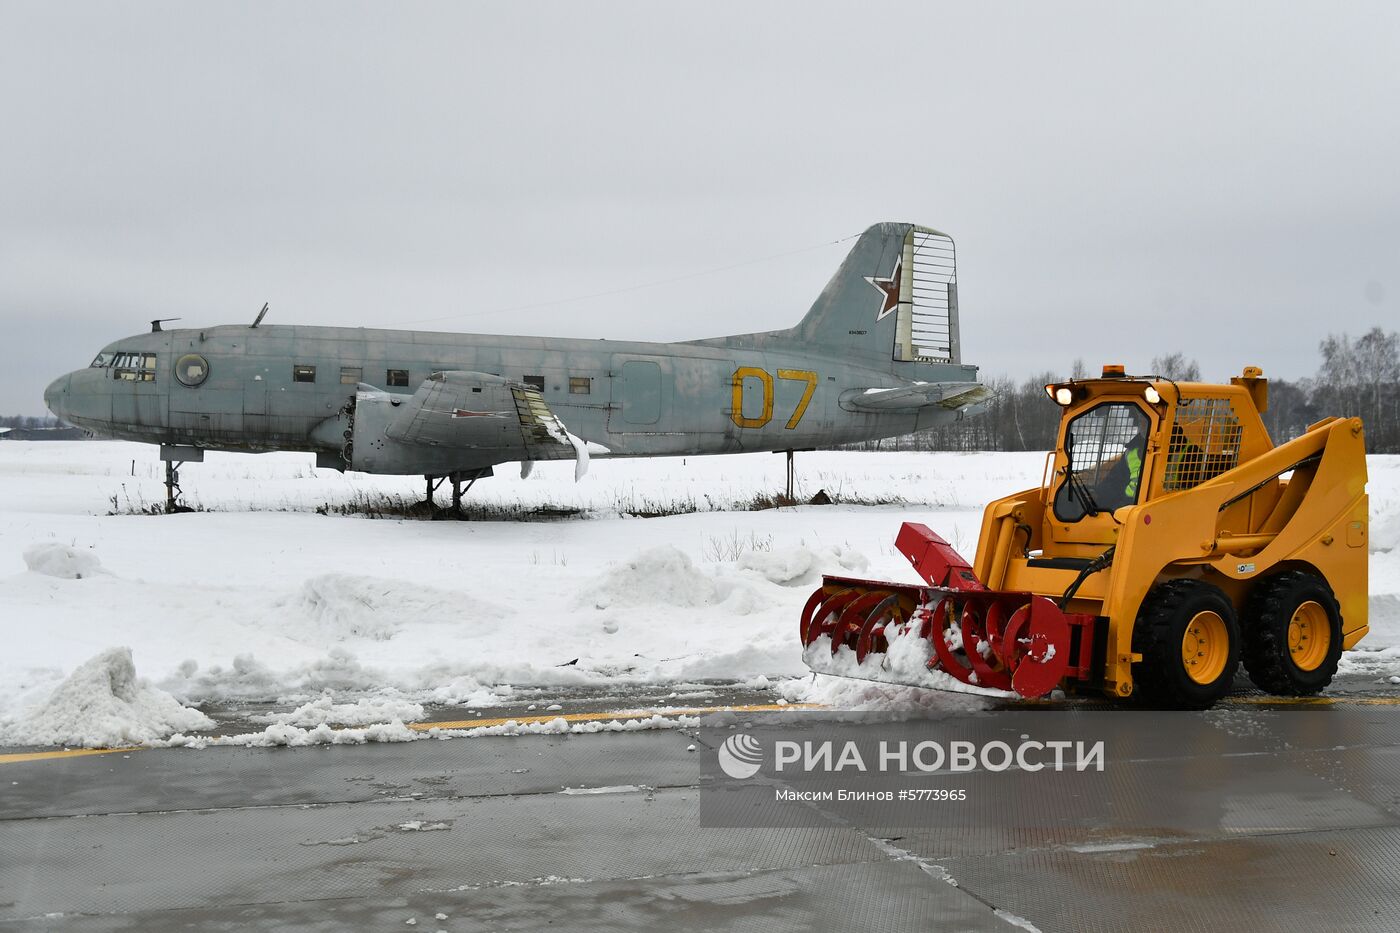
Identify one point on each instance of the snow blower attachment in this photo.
(1168, 542)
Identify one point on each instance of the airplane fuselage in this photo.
(271, 387)
(877, 355)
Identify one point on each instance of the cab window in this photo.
(1204, 442)
(1105, 448)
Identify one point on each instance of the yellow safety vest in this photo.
(1134, 457)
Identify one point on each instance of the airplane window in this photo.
(535, 382)
(302, 373)
(351, 375)
(102, 361)
(580, 385)
(396, 377)
(191, 369)
(134, 367)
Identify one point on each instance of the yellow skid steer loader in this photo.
(1169, 541)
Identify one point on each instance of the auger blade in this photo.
(936, 637)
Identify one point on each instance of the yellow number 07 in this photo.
(809, 379)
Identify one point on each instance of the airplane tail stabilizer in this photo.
(895, 297)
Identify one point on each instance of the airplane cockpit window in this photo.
(102, 361)
(191, 369)
(134, 367)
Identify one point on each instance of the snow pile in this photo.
(466, 690)
(561, 726)
(326, 712)
(864, 695)
(340, 606)
(59, 560)
(1384, 613)
(102, 704)
(1385, 530)
(246, 678)
(1378, 654)
(664, 576)
(904, 663)
(295, 736)
(795, 566)
(283, 734)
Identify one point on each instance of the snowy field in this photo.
(364, 621)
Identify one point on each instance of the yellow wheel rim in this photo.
(1205, 646)
(1309, 636)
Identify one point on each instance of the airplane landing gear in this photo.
(469, 477)
(174, 458)
(433, 482)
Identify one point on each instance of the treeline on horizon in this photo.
(1355, 377)
(29, 422)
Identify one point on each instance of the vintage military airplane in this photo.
(876, 356)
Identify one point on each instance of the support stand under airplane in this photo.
(876, 356)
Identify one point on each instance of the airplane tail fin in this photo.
(895, 297)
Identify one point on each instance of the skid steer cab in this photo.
(1169, 542)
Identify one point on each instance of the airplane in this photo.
(877, 355)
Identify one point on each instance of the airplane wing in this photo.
(952, 395)
(478, 411)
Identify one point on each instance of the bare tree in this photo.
(1176, 366)
(1362, 378)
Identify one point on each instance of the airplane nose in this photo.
(56, 393)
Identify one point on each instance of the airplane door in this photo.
(137, 398)
(636, 396)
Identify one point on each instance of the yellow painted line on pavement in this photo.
(609, 716)
(1314, 701)
(601, 716)
(620, 715)
(63, 753)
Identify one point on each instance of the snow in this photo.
(102, 703)
(801, 566)
(53, 559)
(358, 623)
(363, 712)
(663, 576)
(295, 736)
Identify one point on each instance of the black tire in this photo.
(1164, 677)
(1271, 654)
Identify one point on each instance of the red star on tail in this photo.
(889, 288)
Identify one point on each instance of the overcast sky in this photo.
(1121, 180)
